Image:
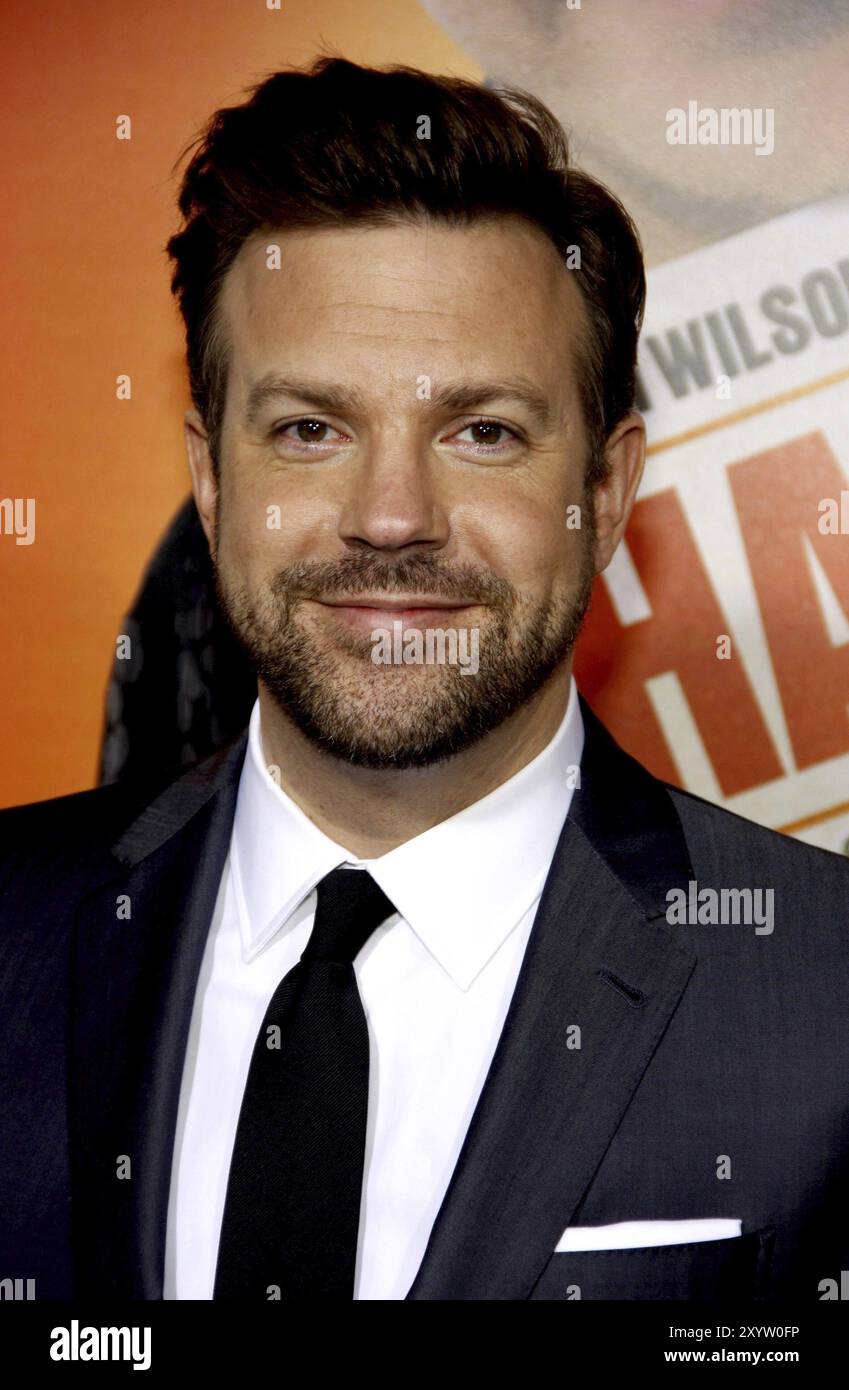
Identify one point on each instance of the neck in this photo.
(371, 811)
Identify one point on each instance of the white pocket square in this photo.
(629, 1235)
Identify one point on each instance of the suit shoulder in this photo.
(732, 836)
(64, 830)
(95, 806)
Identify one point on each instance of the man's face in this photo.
(389, 491)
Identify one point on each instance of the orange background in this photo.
(85, 285)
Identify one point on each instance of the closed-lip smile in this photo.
(365, 613)
(392, 605)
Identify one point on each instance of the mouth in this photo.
(366, 614)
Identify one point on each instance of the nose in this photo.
(393, 499)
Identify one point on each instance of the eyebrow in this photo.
(450, 396)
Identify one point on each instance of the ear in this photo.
(626, 456)
(204, 482)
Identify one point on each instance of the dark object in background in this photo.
(181, 687)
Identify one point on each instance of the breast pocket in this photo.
(701, 1271)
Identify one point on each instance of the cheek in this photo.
(533, 548)
(265, 529)
(251, 534)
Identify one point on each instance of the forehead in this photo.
(410, 298)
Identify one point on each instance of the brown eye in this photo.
(485, 436)
(308, 432)
(485, 431)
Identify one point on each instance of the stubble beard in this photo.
(322, 677)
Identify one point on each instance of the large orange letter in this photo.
(613, 662)
(778, 494)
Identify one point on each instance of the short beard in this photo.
(385, 716)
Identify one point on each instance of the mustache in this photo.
(369, 574)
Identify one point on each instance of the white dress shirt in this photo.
(435, 980)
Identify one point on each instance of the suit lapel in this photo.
(600, 959)
(133, 986)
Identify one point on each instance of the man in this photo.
(422, 988)
(586, 66)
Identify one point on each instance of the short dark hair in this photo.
(338, 144)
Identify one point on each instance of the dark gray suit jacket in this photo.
(711, 1077)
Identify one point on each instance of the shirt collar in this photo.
(463, 885)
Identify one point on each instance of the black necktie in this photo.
(292, 1210)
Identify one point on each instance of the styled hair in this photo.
(338, 144)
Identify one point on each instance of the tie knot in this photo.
(350, 906)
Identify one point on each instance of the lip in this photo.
(411, 612)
